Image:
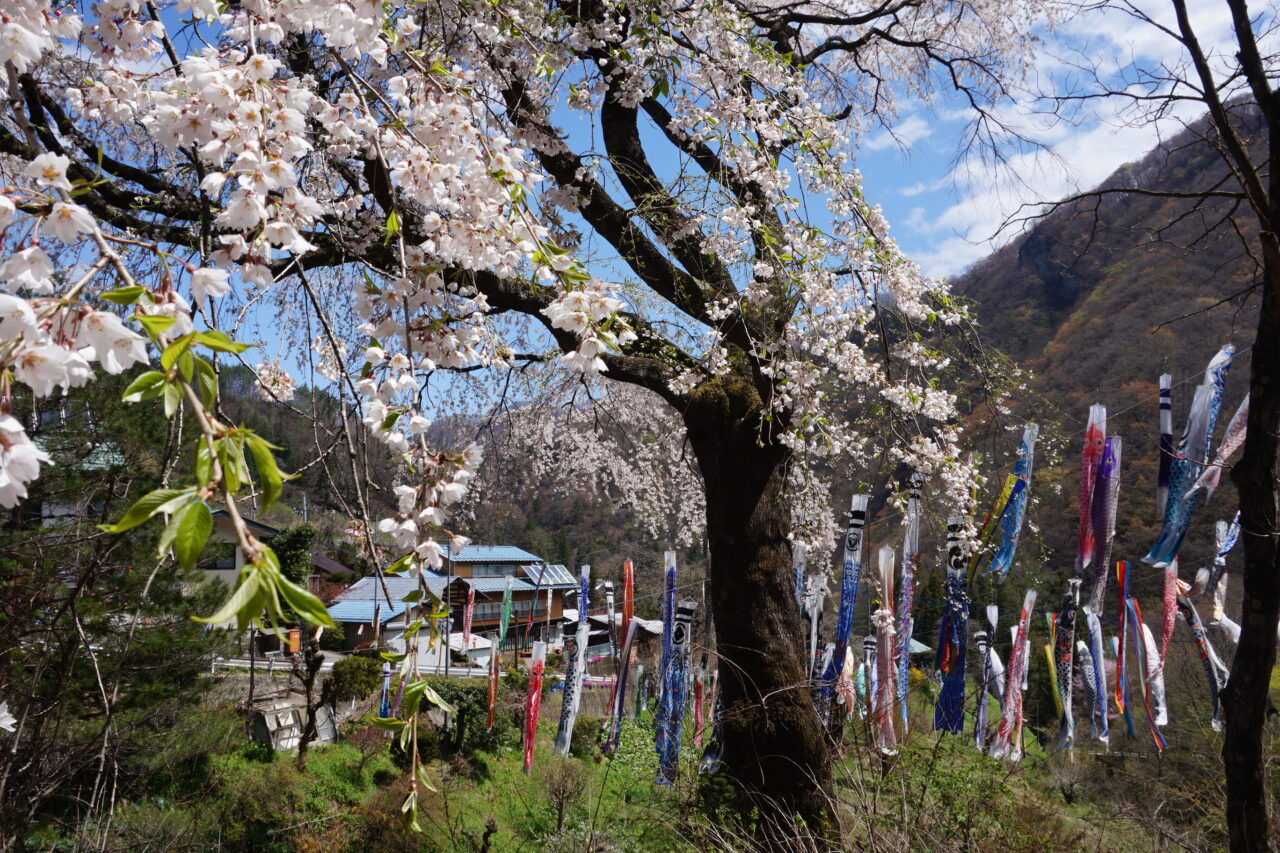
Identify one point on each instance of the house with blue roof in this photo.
(477, 573)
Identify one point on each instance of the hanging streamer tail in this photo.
(1064, 660)
(948, 713)
(1166, 443)
(697, 709)
(1190, 458)
(1106, 497)
(1232, 441)
(1208, 658)
(577, 670)
(1140, 652)
(1095, 435)
(1007, 740)
(664, 662)
(618, 706)
(850, 577)
(1122, 682)
(906, 595)
(673, 695)
(1057, 690)
(865, 682)
(628, 595)
(493, 683)
(799, 555)
(1122, 589)
(1016, 509)
(713, 756)
(1170, 613)
(533, 701)
(1155, 676)
(1012, 488)
(1088, 683)
(886, 656)
(1099, 713)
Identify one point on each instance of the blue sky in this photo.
(944, 209)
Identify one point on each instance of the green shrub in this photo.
(355, 677)
(586, 737)
(469, 733)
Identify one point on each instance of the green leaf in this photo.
(244, 604)
(145, 387)
(172, 399)
(388, 724)
(206, 382)
(154, 324)
(195, 523)
(393, 226)
(401, 565)
(170, 355)
(302, 602)
(204, 463)
(392, 657)
(124, 295)
(269, 475)
(219, 341)
(161, 500)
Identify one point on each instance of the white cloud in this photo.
(911, 130)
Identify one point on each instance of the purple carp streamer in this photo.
(675, 684)
(1008, 739)
(906, 595)
(850, 577)
(1215, 670)
(948, 713)
(886, 656)
(1098, 713)
(1232, 440)
(664, 663)
(1063, 661)
(1015, 510)
(1106, 497)
(1189, 459)
(1166, 443)
(1095, 439)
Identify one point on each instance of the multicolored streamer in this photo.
(576, 672)
(1008, 738)
(1016, 509)
(886, 656)
(948, 713)
(618, 701)
(1143, 651)
(906, 596)
(1232, 440)
(1166, 443)
(992, 683)
(1095, 439)
(850, 576)
(671, 706)
(1063, 662)
(533, 700)
(1106, 498)
(1215, 670)
(1189, 459)
(1098, 711)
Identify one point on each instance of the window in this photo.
(493, 570)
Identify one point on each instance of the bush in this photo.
(586, 737)
(355, 677)
(470, 697)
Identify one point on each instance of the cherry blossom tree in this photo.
(661, 193)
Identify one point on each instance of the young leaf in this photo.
(268, 472)
(124, 295)
(161, 500)
(195, 523)
(244, 603)
(219, 341)
(145, 387)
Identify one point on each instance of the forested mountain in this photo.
(1097, 300)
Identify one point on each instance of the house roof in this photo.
(489, 585)
(554, 576)
(397, 586)
(493, 554)
(264, 530)
(362, 611)
(329, 565)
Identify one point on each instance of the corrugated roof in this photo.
(554, 576)
(494, 554)
(488, 585)
(398, 586)
(362, 611)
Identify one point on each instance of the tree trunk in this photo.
(1245, 697)
(773, 743)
